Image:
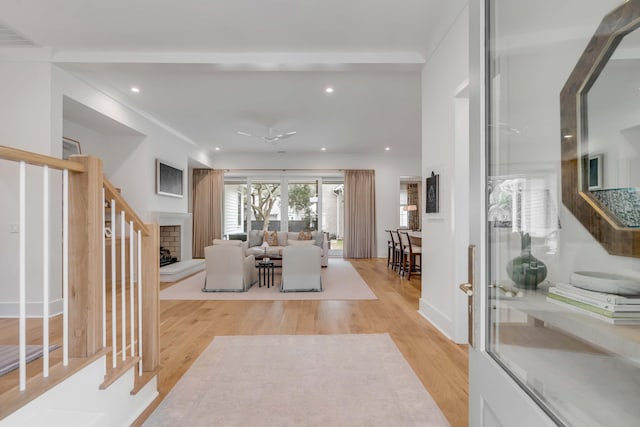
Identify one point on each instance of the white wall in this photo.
(134, 172)
(388, 167)
(442, 78)
(31, 118)
(25, 123)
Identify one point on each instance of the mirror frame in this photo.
(596, 218)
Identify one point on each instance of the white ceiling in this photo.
(211, 68)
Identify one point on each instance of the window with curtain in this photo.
(360, 214)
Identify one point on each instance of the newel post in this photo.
(85, 258)
(151, 298)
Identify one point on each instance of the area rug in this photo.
(340, 281)
(299, 380)
(10, 358)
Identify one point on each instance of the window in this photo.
(404, 215)
(286, 203)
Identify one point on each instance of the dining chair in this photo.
(410, 254)
(391, 250)
(397, 250)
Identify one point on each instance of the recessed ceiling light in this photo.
(387, 148)
(329, 89)
(217, 148)
(135, 89)
(324, 149)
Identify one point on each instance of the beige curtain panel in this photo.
(360, 214)
(208, 190)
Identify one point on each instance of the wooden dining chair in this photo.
(397, 250)
(410, 255)
(391, 247)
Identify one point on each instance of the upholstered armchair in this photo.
(228, 269)
(301, 268)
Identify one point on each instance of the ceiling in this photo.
(211, 69)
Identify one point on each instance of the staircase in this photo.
(107, 375)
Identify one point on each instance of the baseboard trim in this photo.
(436, 318)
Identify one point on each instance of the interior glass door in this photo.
(564, 315)
(333, 213)
(264, 204)
(303, 203)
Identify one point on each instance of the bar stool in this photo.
(409, 255)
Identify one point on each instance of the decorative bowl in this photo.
(605, 282)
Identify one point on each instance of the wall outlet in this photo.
(14, 228)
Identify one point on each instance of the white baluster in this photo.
(131, 289)
(104, 277)
(114, 312)
(123, 270)
(23, 277)
(45, 271)
(65, 267)
(140, 301)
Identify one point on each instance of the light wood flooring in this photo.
(187, 328)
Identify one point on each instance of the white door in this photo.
(541, 357)
(495, 399)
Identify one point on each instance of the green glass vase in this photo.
(526, 270)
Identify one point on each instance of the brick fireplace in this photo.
(175, 234)
(170, 240)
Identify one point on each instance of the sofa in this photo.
(301, 270)
(228, 267)
(257, 245)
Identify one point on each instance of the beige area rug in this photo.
(340, 281)
(299, 380)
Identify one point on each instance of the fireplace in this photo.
(175, 235)
(169, 244)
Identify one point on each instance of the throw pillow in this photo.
(304, 235)
(270, 238)
(255, 238)
(283, 237)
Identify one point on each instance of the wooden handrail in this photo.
(16, 155)
(111, 193)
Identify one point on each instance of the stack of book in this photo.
(611, 308)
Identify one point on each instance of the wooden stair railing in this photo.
(85, 293)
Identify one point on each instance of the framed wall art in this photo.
(169, 179)
(432, 193)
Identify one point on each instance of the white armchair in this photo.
(301, 268)
(228, 269)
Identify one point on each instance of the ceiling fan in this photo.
(271, 137)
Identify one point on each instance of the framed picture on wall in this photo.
(432, 193)
(70, 147)
(169, 179)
